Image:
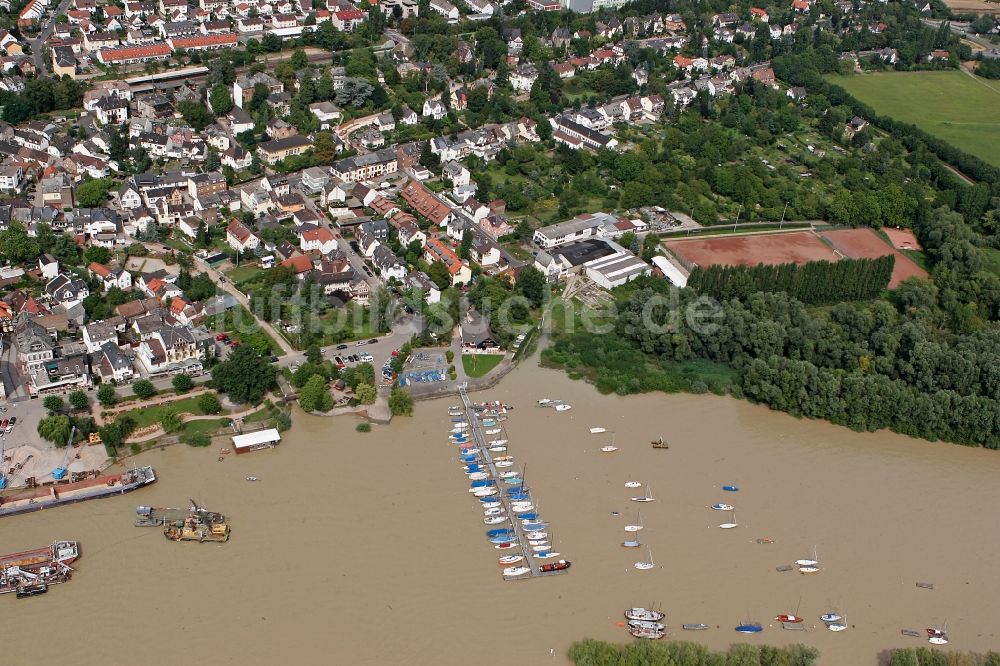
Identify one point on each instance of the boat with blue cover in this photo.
(749, 628)
(534, 527)
(498, 531)
(730, 489)
(483, 483)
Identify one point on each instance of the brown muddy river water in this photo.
(368, 549)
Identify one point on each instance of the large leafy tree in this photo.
(55, 429)
(244, 376)
(315, 395)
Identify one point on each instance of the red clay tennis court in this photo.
(865, 243)
(798, 247)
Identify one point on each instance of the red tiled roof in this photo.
(321, 234)
(445, 254)
(300, 263)
(426, 203)
(202, 41)
(99, 269)
(132, 52)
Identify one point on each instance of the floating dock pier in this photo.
(520, 536)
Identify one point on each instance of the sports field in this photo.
(797, 247)
(952, 105)
(864, 243)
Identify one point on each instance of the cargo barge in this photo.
(194, 524)
(30, 573)
(47, 497)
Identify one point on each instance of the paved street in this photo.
(38, 43)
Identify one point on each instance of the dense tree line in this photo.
(40, 96)
(679, 653)
(923, 656)
(814, 282)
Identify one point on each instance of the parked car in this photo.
(338, 360)
(4, 424)
(367, 358)
(395, 352)
(341, 346)
(222, 337)
(359, 343)
(233, 344)
(373, 341)
(355, 358)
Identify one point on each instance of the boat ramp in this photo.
(474, 416)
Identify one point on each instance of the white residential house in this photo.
(435, 109)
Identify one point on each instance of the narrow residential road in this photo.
(38, 43)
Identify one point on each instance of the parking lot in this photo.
(424, 365)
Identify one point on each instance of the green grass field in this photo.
(477, 365)
(956, 107)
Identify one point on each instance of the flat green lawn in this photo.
(149, 415)
(956, 107)
(477, 365)
(992, 263)
(244, 273)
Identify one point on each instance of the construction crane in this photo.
(59, 472)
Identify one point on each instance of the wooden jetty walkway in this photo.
(520, 537)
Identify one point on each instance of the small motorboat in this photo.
(484, 492)
(561, 565)
(489, 423)
(698, 626)
(544, 402)
(492, 431)
(504, 463)
(542, 548)
(251, 478)
(829, 617)
(500, 531)
(497, 442)
(514, 572)
(938, 640)
(597, 430)
(836, 626)
(498, 449)
(506, 545)
(478, 476)
(633, 484)
(640, 632)
(507, 560)
(458, 419)
(722, 507)
(730, 489)
(788, 619)
(563, 407)
(502, 539)
(522, 509)
(224, 451)
(495, 520)
(609, 449)
(537, 535)
(646, 624)
(811, 569)
(749, 628)
(493, 511)
(527, 517)
(546, 555)
(483, 483)
(503, 458)
(507, 475)
(646, 566)
(644, 614)
(514, 481)
(533, 526)
(732, 524)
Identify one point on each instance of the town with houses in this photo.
(229, 138)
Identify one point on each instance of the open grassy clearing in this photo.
(954, 106)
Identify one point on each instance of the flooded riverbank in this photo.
(367, 549)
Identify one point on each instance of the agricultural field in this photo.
(960, 109)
